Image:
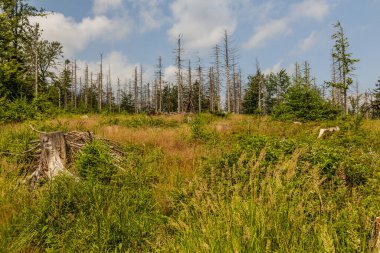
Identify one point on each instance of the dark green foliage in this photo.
(169, 98)
(127, 102)
(276, 89)
(81, 217)
(197, 128)
(254, 93)
(95, 163)
(344, 60)
(273, 195)
(376, 102)
(15, 36)
(21, 109)
(143, 121)
(304, 102)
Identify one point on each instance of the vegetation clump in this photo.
(95, 163)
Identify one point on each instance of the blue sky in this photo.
(277, 33)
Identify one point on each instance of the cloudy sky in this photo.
(276, 32)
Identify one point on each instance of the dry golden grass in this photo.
(372, 125)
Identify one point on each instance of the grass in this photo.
(197, 183)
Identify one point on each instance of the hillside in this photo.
(195, 183)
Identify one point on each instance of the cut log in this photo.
(375, 240)
(53, 157)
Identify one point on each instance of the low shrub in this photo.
(95, 163)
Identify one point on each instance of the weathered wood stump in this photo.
(55, 153)
(53, 156)
(375, 240)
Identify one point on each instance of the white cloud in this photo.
(201, 22)
(268, 31)
(307, 9)
(75, 36)
(274, 69)
(170, 73)
(150, 13)
(102, 6)
(307, 43)
(314, 9)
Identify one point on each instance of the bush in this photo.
(21, 109)
(141, 121)
(305, 103)
(95, 163)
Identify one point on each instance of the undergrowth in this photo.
(263, 186)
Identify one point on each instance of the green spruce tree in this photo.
(344, 61)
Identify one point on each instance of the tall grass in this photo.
(289, 204)
(205, 184)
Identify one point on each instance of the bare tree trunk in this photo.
(217, 76)
(136, 92)
(109, 89)
(190, 106)
(200, 87)
(239, 91)
(159, 93)
(211, 78)
(155, 96)
(75, 84)
(234, 84)
(86, 87)
(91, 91)
(53, 156)
(227, 65)
(141, 88)
(100, 90)
(118, 95)
(72, 87)
(148, 98)
(179, 52)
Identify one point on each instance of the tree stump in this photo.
(53, 156)
(375, 240)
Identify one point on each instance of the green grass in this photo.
(260, 186)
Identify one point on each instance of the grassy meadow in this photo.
(195, 183)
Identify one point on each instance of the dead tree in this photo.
(211, 80)
(118, 95)
(240, 92)
(190, 105)
(217, 75)
(179, 52)
(100, 88)
(136, 92)
(234, 84)
(158, 88)
(109, 89)
(75, 85)
(141, 89)
(227, 65)
(200, 86)
(86, 87)
(148, 97)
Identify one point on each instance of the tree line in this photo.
(33, 80)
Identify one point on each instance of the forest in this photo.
(209, 162)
